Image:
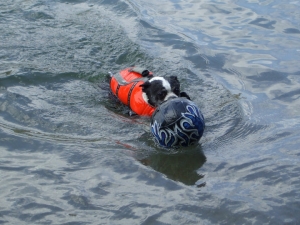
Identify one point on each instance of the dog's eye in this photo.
(162, 94)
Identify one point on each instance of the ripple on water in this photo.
(71, 154)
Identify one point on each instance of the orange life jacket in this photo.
(126, 86)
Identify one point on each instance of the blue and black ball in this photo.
(177, 122)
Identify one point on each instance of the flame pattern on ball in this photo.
(186, 131)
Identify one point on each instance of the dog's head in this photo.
(157, 90)
(175, 85)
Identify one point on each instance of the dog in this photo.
(158, 89)
(175, 120)
(143, 92)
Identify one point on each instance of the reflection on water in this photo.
(179, 167)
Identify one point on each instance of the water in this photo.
(70, 154)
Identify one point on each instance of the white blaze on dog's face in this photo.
(166, 85)
(157, 90)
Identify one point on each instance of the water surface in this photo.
(71, 154)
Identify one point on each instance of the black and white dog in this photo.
(158, 89)
(141, 91)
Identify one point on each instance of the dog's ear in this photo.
(145, 85)
(175, 85)
(173, 78)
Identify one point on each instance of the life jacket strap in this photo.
(117, 90)
(129, 93)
